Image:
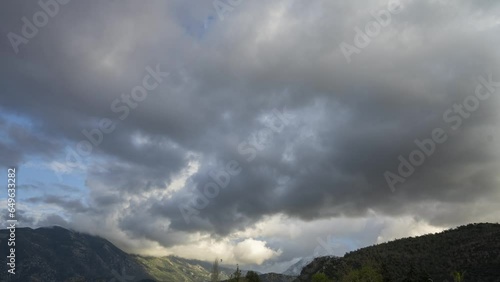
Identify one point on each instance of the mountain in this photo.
(57, 254)
(296, 268)
(172, 268)
(473, 250)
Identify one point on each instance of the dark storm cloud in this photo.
(8, 155)
(352, 120)
(17, 141)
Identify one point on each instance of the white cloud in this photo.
(254, 251)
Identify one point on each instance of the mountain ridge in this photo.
(58, 254)
(55, 253)
(473, 249)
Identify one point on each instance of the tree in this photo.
(416, 274)
(214, 277)
(458, 276)
(252, 276)
(365, 274)
(320, 277)
(236, 276)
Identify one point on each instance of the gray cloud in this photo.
(70, 205)
(352, 120)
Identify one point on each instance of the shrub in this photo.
(320, 277)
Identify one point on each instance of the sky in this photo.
(258, 132)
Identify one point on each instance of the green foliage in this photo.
(458, 276)
(172, 268)
(252, 276)
(366, 273)
(320, 277)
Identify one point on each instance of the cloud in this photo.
(325, 168)
(69, 205)
(253, 251)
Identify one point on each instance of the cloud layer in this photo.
(348, 122)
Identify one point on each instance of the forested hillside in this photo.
(471, 252)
